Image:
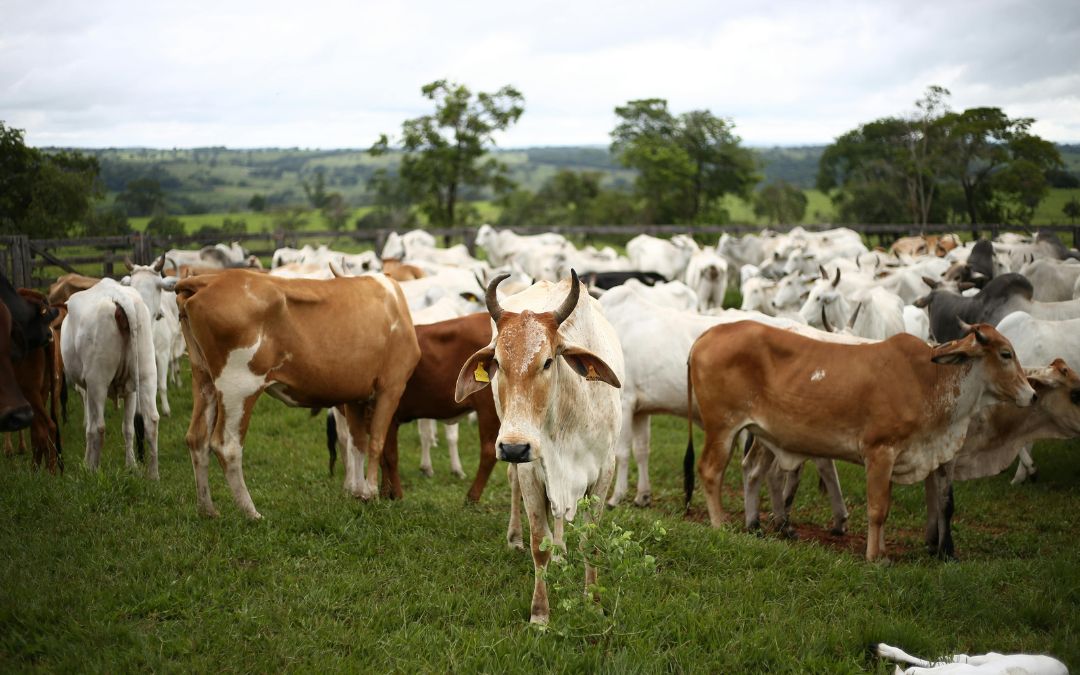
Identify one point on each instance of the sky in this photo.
(329, 74)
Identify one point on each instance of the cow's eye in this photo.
(547, 364)
(1006, 355)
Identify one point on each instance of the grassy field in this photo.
(108, 572)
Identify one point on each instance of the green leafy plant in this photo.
(620, 559)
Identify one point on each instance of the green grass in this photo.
(110, 572)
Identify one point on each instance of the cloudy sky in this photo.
(329, 74)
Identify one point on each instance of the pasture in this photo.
(110, 572)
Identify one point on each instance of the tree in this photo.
(44, 194)
(393, 202)
(780, 202)
(257, 203)
(142, 197)
(444, 150)
(335, 211)
(684, 163)
(1072, 210)
(316, 193)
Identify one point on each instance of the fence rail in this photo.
(32, 263)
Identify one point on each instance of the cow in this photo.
(666, 257)
(554, 366)
(108, 350)
(608, 280)
(15, 410)
(429, 394)
(34, 373)
(1039, 341)
(899, 407)
(502, 245)
(978, 269)
(1053, 280)
(66, 284)
(400, 271)
(315, 344)
(1002, 295)
(962, 664)
(707, 274)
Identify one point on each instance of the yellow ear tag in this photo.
(591, 375)
(480, 375)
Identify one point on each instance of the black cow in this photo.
(609, 280)
(1001, 296)
(977, 271)
(29, 323)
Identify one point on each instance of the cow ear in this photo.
(932, 283)
(126, 281)
(168, 283)
(1042, 378)
(954, 353)
(590, 366)
(475, 374)
(922, 302)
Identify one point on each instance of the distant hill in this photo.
(217, 179)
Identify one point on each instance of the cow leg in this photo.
(939, 511)
(386, 403)
(451, 430)
(714, 460)
(391, 480)
(778, 481)
(358, 420)
(537, 509)
(1025, 468)
(429, 436)
(830, 480)
(642, 440)
(878, 499)
(204, 410)
(622, 456)
(163, 383)
(513, 529)
(488, 427)
(227, 441)
(756, 463)
(94, 417)
(147, 408)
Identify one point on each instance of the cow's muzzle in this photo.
(14, 420)
(515, 453)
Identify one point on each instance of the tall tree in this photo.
(444, 151)
(684, 162)
(780, 202)
(44, 194)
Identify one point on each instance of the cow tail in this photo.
(688, 459)
(64, 396)
(128, 324)
(331, 438)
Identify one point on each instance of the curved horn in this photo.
(159, 265)
(128, 264)
(567, 308)
(836, 281)
(855, 315)
(493, 306)
(825, 321)
(824, 274)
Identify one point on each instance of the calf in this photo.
(315, 344)
(899, 407)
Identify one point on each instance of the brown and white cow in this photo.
(429, 394)
(554, 366)
(313, 344)
(898, 406)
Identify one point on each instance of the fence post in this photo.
(22, 268)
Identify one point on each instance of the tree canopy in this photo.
(44, 194)
(685, 162)
(444, 151)
(937, 166)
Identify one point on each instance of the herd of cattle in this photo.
(907, 361)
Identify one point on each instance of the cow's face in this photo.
(982, 344)
(1058, 389)
(528, 357)
(149, 282)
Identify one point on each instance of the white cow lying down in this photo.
(984, 664)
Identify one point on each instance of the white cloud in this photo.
(337, 73)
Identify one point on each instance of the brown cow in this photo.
(313, 344)
(66, 284)
(899, 407)
(34, 373)
(15, 411)
(400, 271)
(429, 394)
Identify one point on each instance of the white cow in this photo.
(399, 246)
(108, 350)
(555, 366)
(707, 274)
(152, 287)
(1054, 280)
(667, 257)
(502, 245)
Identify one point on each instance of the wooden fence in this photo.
(35, 263)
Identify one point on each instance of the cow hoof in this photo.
(209, 513)
(255, 516)
(515, 543)
(789, 533)
(538, 619)
(643, 500)
(459, 473)
(838, 531)
(427, 471)
(153, 475)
